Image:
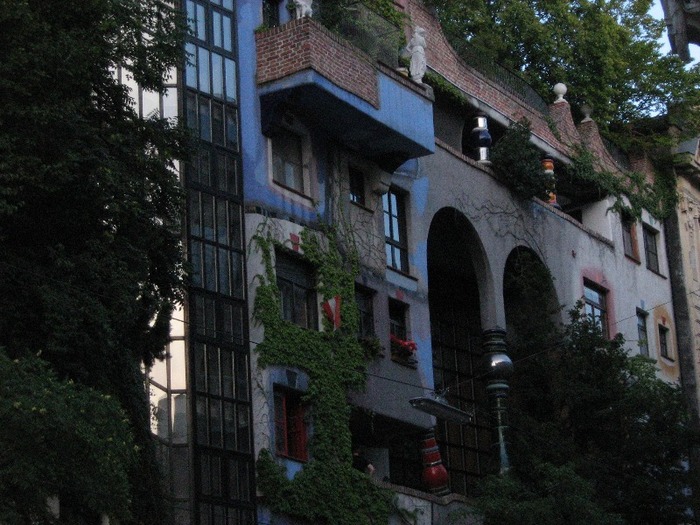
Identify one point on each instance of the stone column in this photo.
(498, 368)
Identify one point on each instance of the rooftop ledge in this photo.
(331, 85)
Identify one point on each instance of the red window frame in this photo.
(291, 425)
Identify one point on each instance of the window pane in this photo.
(229, 426)
(224, 272)
(201, 23)
(179, 415)
(213, 370)
(196, 263)
(191, 69)
(203, 67)
(202, 429)
(227, 373)
(195, 218)
(210, 312)
(170, 103)
(192, 121)
(228, 40)
(210, 267)
(215, 437)
(222, 222)
(204, 120)
(217, 123)
(231, 129)
(208, 217)
(235, 226)
(150, 104)
(243, 429)
(230, 80)
(217, 71)
(178, 367)
(217, 23)
(242, 376)
(238, 290)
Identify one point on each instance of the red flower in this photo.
(403, 346)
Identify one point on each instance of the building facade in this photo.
(302, 127)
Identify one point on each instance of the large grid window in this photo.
(222, 463)
(651, 248)
(297, 286)
(466, 449)
(395, 230)
(595, 305)
(216, 255)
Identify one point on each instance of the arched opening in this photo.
(456, 329)
(533, 322)
(530, 300)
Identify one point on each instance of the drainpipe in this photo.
(684, 336)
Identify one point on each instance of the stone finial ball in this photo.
(559, 90)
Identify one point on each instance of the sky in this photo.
(658, 12)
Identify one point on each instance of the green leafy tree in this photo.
(58, 437)
(90, 262)
(586, 414)
(607, 52)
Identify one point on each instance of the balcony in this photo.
(334, 86)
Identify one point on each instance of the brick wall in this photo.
(303, 44)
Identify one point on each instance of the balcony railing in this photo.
(364, 28)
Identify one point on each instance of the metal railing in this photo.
(504, 77)
(364, 28)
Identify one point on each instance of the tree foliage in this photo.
(606, 52)
(58, 437)
(585, 413)
(90, 262)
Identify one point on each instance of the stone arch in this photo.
(531, 305)
(458, 283)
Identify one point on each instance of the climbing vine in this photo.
(517, 160)
(631, 191)
(328, 489)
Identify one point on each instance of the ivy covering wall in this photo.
(327, 490)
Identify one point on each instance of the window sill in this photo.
(402, 273)
(408, 362)
(292, 190)
(362, 207)
(633, 259)
(657, 273)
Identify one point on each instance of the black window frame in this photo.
(395, 229)
(291, 414)
(642, 333)
(629, 237)
(279, 150)
(356, 181)
(663, 342)
(398, 318)
(364, 299)
(651, 247)
(597, 310)
(297, 276)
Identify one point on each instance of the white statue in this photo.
(303, 8)
(416, 48)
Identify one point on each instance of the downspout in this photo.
(686, 357)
